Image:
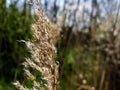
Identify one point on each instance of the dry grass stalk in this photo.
(43, 53)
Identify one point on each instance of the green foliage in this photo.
(79, 63)
(70, 56)
(15, 25)
(8, 86)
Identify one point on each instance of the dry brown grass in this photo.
(43, 53)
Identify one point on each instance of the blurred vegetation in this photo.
(15, 25)
(89, 49)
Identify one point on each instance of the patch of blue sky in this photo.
(20, 3)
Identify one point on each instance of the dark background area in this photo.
(15, 25)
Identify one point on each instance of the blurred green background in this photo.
(15, 25)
